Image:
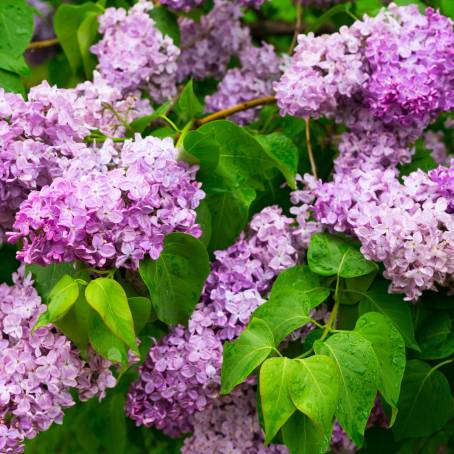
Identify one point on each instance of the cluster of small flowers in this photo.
(111, 218)
(181, 374)
(133, 54)
(409, 227)
(260, 67)
(38, 370)
(182, 5)
(208, 45)
(230, 426)
(41, 136)
(378, 75)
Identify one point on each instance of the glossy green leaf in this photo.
(283, 152)
(358, 372)
(141, 311)
(246, 353)
(109, 300)
(314, 389)
(302, 437)
(205, 221)
(67, 20)
(87, 35)
(11, 82)
(330, 255)
(62, 296)
(377, 299)
(16, 26)
(75, 323)
(105, 342)
(300, 278)
(425, 403)
(447, 8)
(175, 280)
(435, 335)
(166, 23)
(355, 287)
(46, 277)
(277, 406)
(188, 106)
(389, 346)
(230, 214)
(14, 64)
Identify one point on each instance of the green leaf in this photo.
(105, 342)
(141, 311)
(377, 299)
(203, 151)
(188, 106)
(435, 335)
(175, 280)
(354, 285)
(358, 373)
(241, 157)
(425, 403)
(447, 8)
(87, 35)
(277, 405)
(46, 277)
(109, 300)
(62, 296)
(243, 355)
(205, 221)
(283, 152)
(330, 255)
(11, 82)
(141, 123)
(16, 26)
(302, 437)
(67, 20)
(166, 23)
(284, 313)
(230, 214)
(314, 389)
(300, 278)
(389, 346)
(296, 291)
(75, 323)
(422, 159)
(15, 64)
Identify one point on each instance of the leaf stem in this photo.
(299, 16)
(237, 108)
(44, 43)
(309, 147)
(170, 122)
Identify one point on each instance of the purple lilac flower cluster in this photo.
(181, 374)
(111, 218)
(230, 426)
(43, 22)
(382, 73)
(133, 54)
(260, 67)
(40, 137)
(408, 226)
(208, 45)
(433, 141)
(38, 370)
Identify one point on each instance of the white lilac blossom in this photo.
(208, 45)
(181, 375)
(115, 217)
(260, 67)
(397, 67)
(38, 370)
(133, 54)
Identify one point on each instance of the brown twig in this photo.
(237, 108)
(264, 28)
(42, 44)
(299, 20)
(309, 148)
